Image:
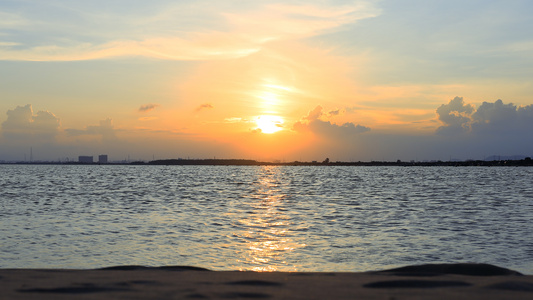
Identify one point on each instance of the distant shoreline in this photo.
(527, 162)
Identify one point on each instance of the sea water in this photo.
(264, 218)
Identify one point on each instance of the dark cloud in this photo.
(204, 106)
(466, 132)
(148, 107)
(328, 129)
(491, 129)
(23, 124)
(334, 112)
(455, 115)
(105, 129)
(500, 118)
(489, 119)
(312, 122)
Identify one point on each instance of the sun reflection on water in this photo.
(266, 226)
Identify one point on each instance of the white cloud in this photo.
(234, 120)
(202, 30)
(11, 20)
(8, 44)
(279, 21)
(23, 125)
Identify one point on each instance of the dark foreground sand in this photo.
(447, 281)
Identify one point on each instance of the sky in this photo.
(266, 80)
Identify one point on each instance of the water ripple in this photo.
(264, 218)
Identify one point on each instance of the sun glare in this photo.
(269, 124)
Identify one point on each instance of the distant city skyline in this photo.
(351, 80)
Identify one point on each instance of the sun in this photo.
(269, 124)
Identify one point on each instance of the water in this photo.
(264, 218)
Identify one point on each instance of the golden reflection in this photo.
(267, 226)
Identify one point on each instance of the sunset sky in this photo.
(266, 80)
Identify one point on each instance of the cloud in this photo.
(234, 120)
(167, 48)
(500, 118)
(23, 124)
(204, 106)
(200, 30)
(274, 21)
(8, 44)
(489, 119)
(336, 112)
(456, 116)
(104, 129)
(314, 114)
(11, 20)
(313, 122)
(148, 107)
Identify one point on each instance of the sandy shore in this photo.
(448, 281)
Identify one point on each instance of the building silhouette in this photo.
(102, 159)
